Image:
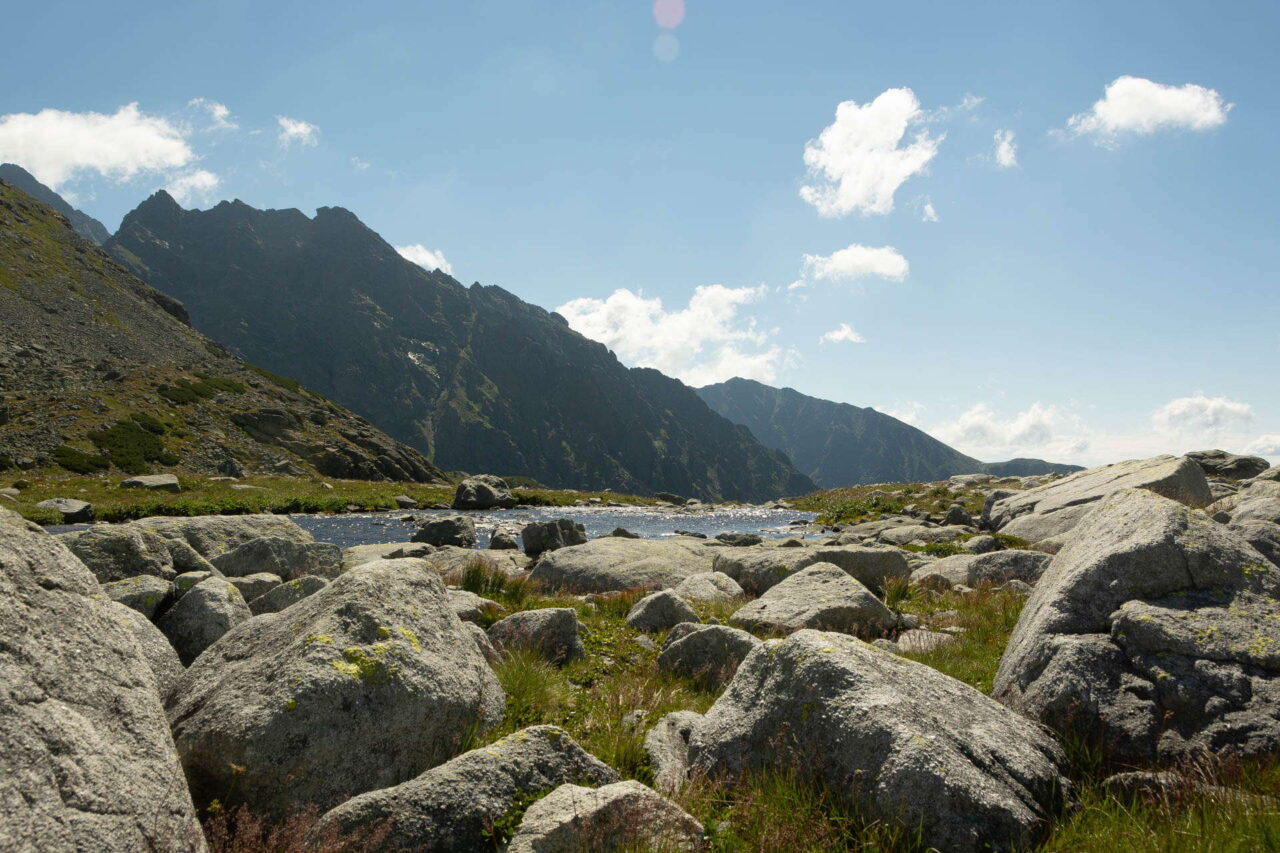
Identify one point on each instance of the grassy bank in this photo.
(853, 504)
(202, 496)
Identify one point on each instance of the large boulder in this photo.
(158, 652)
(153, 482)
(622, 816)
(117, 551)
(454, 808)
(659, 611)
(709, 586)
(994, 567)
(73, 511)
(483, 491)
(542, 536)
(1262, 535)
(211, 535)
(553, 632)
(1056, 507)
(452, 561)
(456, 530)
(758, 569)
(255, 585)
(1220, 463)
(146, 594)
(1155, 631)
(921, 533)
(667, 746)
(282, 557)
(208, 610)
(709, 655)
(362, 685)
(613, 563)
(286, 594)
(86, 760)
(895, 738)
(819, 596)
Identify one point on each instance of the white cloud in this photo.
(927, 213)
(296, 130)
(1006, 149)
(426, 258)
(908, 413)
(194, 186)
(843, 332)
(857, 261)
(1040, 430)
(55, 145)
(857, 162)
(218, 113)
(1139, 106)
(1264, 445)
(1199, 414)
(358, 164)
(703, 343)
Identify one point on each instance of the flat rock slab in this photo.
(153, 482)
(1156, 630)
(613, 564)
(894, 737)
(1056, 507)
(86, 760)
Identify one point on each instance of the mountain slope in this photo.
(836, 444)
(98, 371)
(474, 377)
(84, 224)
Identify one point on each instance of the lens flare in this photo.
(668, 13)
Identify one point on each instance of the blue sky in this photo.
(1108, 290)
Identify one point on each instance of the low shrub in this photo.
(131, 447)
(79, 462)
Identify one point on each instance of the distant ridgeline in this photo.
(101, 373)
(475, 378)
(837, 444)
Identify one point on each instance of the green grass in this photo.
(201, 496)
(854, 504)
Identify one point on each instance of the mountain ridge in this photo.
(839, 444)
(84, 224)
(474, 377)
(98, 371)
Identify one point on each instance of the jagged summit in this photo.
(97, 369)
(474, 377)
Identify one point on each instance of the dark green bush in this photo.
(282, 381)
(184, 391)
(78, 461)
(131, 448)
(147, 422)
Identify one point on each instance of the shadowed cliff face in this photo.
(98, 369)
(837, 444)
(474, 377)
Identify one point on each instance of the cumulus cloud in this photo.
(358, 164)
(295, 130)
(842, 333)
(426, 258)
(927, 213)
(1264, 445)
(1200, 414)
(194, 186)
(56, 146)
(1135, 105)
(1006, 149)
(1039, 430)
(703, 343)
(857, 261)
(219, 115)
(859, 161)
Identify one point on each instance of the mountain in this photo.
(86, 226)
(841, 445)
(100, 371)
(473, 377)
